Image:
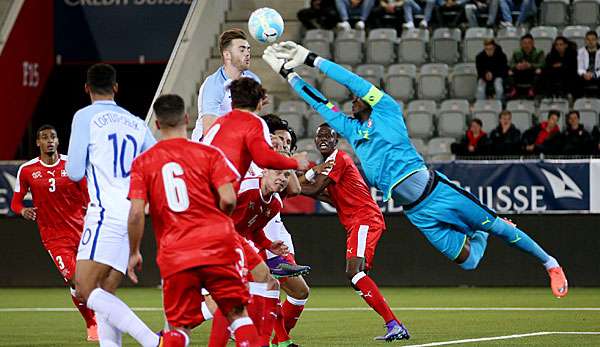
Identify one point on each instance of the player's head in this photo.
(276, 180)
(170, 112)
(47, 139)
(360, 109)
(247, 94)
(280, 128)
(326, 140)
(235, 49)
(101, 80)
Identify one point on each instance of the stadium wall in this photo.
(404, 258)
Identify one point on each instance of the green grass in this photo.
(347, 328)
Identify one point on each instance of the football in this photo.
(265, 25)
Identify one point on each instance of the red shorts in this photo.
(182, 297)
(65, 259)
(361, 242)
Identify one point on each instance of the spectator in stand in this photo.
(388, 11)
(412, 6)
(525, 68)
(559, 75)
(359, 8)
(492, 68)
(527, 9)
(506, 138)
(475, 9)
(588, 65)
(475, 141)
(576, 140)
(450, 13)
(544, 137)
(320, 15)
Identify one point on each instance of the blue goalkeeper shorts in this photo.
(447, 214)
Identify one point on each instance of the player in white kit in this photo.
(105, 139)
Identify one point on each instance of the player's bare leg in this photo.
(96, 284)
(368, 290)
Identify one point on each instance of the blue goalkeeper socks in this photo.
(478, 243)
(517, 238)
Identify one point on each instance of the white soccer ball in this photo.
(265, 25)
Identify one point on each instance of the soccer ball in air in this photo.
(265, 25)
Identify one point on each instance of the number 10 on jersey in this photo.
(119, 154)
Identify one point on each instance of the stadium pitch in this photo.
(338, 317)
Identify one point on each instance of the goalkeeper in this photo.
(454, 221)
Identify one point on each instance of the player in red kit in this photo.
(244, 137)
(360, 216)
(59, 205)
(189, 187)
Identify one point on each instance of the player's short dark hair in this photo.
(505, 113)
(169, 110)
(527, 36)
(591, 33)
(554, 112)
(246, 93)
(228, 36)
(42, 128)
(274, 123)
(101, 78)
(478, 121)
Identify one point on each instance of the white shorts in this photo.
(105, 241)
(276, 230)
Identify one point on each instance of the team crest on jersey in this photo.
(63, 173)
(370, 123)
(36, 174)
(251, 205)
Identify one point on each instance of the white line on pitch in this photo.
(506, 337)
(335, 309)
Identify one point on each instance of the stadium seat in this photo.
(522, 111)
(554, 13)
(371, 72)
(488, 111)
(444, 45)
(432, 81)
(334, 90)
(510, 39)
(419, 118)
(381, 46)
(546, 105)
(585, 12)
(576, 33)
(400, 81)
(348, 47)
(544, 37)
(473, 42)
(438, 148)
(420, 146)
(589, 111)
(312, 123)
(270, 107)
(319, 41)
(345, 146)
(452, 118)
(298, 107)
(295, 121)
(306, 144)
(412, 48)
(463, 81)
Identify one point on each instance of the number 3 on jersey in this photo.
(119, 158)
(175, 188)
(52, 187)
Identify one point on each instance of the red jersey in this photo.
(349, 192)
(253, 212)
(60, 202)
(179, 179)
(244, 137)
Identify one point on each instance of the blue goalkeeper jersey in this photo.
(381, 143)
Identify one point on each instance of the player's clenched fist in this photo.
(29, 213)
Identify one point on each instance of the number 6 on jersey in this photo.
(175, 188)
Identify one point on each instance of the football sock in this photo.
(120, 316)
(108, 335)
(87, 314)
(292, 309)
(270, 316)
(551, 263)
(175, 338)
(369, 291)
(206, 311)
(219, 334)
(281, 334)
(478, 243)
(245, 332)
(517, 238)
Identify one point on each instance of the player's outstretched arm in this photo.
(135, 228)
(78, 147)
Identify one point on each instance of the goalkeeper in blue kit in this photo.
(454, 221)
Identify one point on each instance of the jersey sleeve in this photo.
(137, 186)
(210, 99)
(258, 142)
(149, 140)
(78, 147)
(222, 170)
(21, 189)
(343, 124)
